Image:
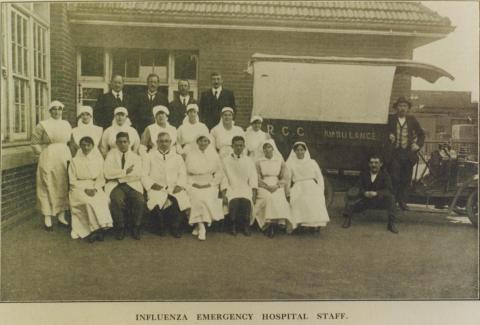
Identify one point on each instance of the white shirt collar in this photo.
(120, 93)
(373, 177)
(218, 90)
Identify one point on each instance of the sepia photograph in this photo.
(239, 151)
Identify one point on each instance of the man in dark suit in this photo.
(106, 103)
(372, 191)
(213, 100)
(406, 137)
(178, 106)
(141, 115)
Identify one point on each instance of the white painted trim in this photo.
(258, 28)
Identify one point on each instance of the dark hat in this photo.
(402, 100)
(353, 195)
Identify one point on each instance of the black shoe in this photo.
(48, 229)
(92, 238)
(101, 235)
(233, 230)
(136, 233)
(392, 228)
(177, 234)
(246, 231)
(270, 231)
(347, 222)
(120, 234)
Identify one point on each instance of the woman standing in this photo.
(149, 136)
(88, 201)
(223, 133)
(307, 198)
(255, 137)
(189, 130)
(120, 123)
(272, 207)
(85, 128)
(49, 140)
(204, 175)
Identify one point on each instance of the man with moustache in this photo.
(178, 107)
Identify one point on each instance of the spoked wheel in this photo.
(328, 192)
(472, 208)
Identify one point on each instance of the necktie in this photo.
(123, 160)
(184, 101)
(215, 94)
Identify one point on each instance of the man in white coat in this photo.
(239, 187)
(123, 170)
(165, 179)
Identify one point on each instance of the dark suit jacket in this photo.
(211, 107)
(141, 115)
(106, 104)
(382, 184)
(178, 110)
(414, 129)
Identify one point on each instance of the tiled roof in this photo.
(381, 12)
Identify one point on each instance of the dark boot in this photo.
(403, 206)
(101, 235)
(120, 233)
(233, 229)
(246, 230)
(270, 231)
(391, 225)
(347, 222)
(136, 233)
(161, 225)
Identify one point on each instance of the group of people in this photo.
(142, 171)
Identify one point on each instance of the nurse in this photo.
(49, 140)
(161, 125)
(307, 198)
(224, 132)
(190, 129)
(120, 123)
(255, 137)
(85, 127)
(88, 202)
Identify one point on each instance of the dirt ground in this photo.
(431, 258)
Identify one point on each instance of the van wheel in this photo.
(472, 208)
(328, 192)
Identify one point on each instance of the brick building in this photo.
(69, 51)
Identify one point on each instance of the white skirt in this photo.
(272, 208)
(89, 213)
(206, 206)
(307, 202)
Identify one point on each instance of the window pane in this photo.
(92, 61)
(186, 65)
(146, 59)
(118, 63)
(133, 64)
(161, 58)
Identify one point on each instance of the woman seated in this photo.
(88, 202)
(150, 135)
(223, 133)
(204, 175)
(85, 127)
(190, 129)
(49, 141)
(307, 198)
(255, 137)
(120, 123)
(271, 208)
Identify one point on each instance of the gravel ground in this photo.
(432, 258)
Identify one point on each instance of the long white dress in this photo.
(89, 213)
(272, 207)
(204, 168)
(222, 138)
(254, 141)
(187, 133)
(50, 139)
(307, 198)
(82, 130)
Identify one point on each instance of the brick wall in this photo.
(18, 192)
(229, 51)
(63, 61)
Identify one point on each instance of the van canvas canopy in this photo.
(329, 89)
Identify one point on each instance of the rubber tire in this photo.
(328, 190)
(471, 203)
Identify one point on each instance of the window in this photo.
(92, 61)
(25, 69)
(138, 64)
(135, 65)
(186, 65)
